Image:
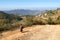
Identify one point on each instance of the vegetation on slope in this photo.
(6, 20)
(47, 17)
(50, 16)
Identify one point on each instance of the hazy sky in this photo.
(28, 4)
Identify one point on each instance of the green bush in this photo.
(58, 18)
(29, 20)
(18, 18)
(57, 21)
(5, 27)
(50, 21)
(50, 12)
(38, 22)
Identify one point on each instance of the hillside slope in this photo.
(38, 32)
(6, 20)
(54, 14)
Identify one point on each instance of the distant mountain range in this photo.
(23, 12)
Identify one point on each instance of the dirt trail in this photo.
(39, 32)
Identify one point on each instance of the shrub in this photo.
(50, 21)
(18, 18)
(38, 22)
(50, 12)
(58, 18)
(5, 27)
(29, 20)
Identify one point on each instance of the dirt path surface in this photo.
(38, 32)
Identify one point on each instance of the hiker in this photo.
(21, 28)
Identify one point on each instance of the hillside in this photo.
(45, 17)
(51, 13)
(7, 19)
(44, 26)
(46, 29)
(49, 16)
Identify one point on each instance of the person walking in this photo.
(21, 28)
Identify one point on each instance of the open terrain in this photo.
(37, 32)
